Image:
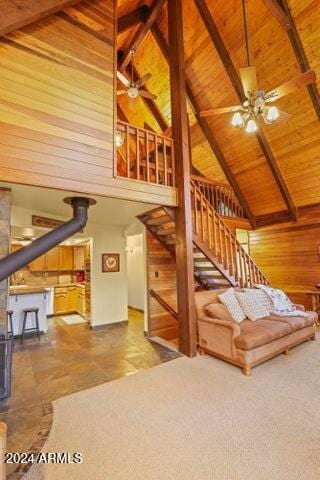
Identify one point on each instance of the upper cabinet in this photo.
(78, 258)
(59, 259)
(65, 258)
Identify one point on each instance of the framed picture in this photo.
(110, 262)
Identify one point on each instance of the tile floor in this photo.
(70, 358)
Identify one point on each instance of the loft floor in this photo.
(70, 358)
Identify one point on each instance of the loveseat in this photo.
(248, 343)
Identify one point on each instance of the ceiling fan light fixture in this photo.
(251, 126)
(237, 120)
(119, 139)
(133, 91)
(272, 114)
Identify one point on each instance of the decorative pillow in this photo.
(229, 299)
(262, 297)
(251, 303)
(217, 310)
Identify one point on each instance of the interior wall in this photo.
(108, 290)
(136, 271)
(289, 257)
(5, 206)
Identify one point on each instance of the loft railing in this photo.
(215, 235)
(220, 196)
(144, 155)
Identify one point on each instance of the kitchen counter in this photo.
(25, 290)
(72, 284)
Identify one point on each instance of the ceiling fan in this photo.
(256, 104)
(133, 88)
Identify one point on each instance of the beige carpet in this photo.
(198, 419)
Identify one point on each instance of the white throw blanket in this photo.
(282, 305)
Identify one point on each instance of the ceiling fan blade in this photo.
(123, 79)
(249, 82)
(143, 79)
(298, 82)
(146, 94)
(220, 110)
(121, 92)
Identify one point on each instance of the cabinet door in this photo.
(53, 260)
(38, 265)
(80, 300)
(72, 299)
(78, 258)
(66, 258)
(60, 303)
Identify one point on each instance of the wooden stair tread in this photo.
(163, 219)
(166, 231)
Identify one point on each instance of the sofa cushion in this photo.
(205, 297)
(260, 332)
(255, 303)
(295, 323)
(218, 310)
(229, 299)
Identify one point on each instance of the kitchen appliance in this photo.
(80, 277)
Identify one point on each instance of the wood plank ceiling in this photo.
(294, 147)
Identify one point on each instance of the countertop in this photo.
(25, 290)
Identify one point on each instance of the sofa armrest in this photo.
(300, 307)
(217, 335)
(234, 326)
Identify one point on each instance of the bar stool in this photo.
(9, 318)
(27, 311)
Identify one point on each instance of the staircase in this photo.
(219, 259)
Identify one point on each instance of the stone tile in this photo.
(54, 389)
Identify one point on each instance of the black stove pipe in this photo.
(19, 259)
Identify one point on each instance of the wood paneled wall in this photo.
(57, 105)
(161, 271)
(289, 257)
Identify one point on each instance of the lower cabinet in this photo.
(69, 299)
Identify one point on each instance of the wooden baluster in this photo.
(220, 241)
(147, 157)
(195, 206)
(236, 261)
(231, 254)
(173, 165)
(215, 234)
(245, 268)
(165, 162)
(138, 153)
(201, 218)
(208, 226)
(157, 158)
(225, 238)
(128, 150)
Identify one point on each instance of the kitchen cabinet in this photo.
(78, 258)
(60, 300)
(52, 260)
(66, 258)
(80, 300)
(39, 264)
(72, 299)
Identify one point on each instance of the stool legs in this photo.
(37, 324)
(23, 326)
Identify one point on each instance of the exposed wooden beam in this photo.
(300, 54)
(140, 35)
(278, 13)
(161, 41)
(277, 175)
(183, 213)
(133, 18)
(18, 14)
(235, 80)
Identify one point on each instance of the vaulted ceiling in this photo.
(276, 170)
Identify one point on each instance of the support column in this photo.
(180, 128)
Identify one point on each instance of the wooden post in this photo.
(180, 127)
(3, 447)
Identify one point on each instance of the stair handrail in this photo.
(216, 192)
(246, 278)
